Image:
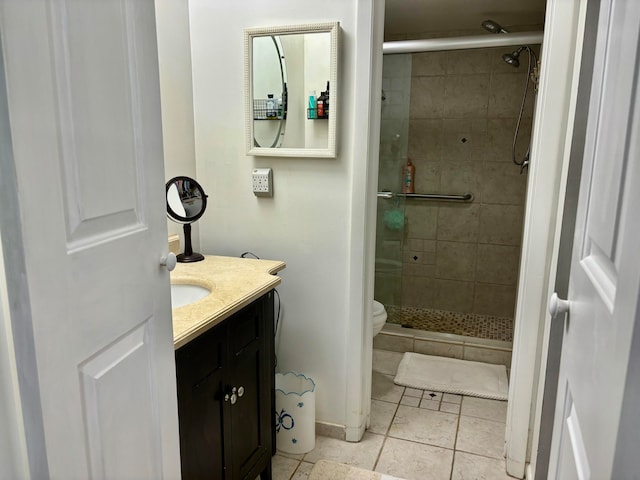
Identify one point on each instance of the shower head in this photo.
(493, 27)
(513, 57)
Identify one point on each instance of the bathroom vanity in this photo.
(225, 368)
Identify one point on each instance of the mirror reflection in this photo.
(186, 203)
(291, 90)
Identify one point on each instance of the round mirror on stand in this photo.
(186, 202)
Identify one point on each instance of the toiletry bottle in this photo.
(408, 177)
(313, 113)
(320, 104)
(326, 101)
(279, 103)
(271, 106)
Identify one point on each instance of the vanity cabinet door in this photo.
(251, 372)
(200, 405)
(227, 434)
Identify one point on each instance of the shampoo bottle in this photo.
(408, 177)
(313, 113)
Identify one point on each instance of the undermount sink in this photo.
(185, 293)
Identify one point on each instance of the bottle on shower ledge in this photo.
(408, 177)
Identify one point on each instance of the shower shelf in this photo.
(465, 197)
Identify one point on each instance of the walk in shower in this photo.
(451, 265)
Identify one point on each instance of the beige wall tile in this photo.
(418, 291)
(393, 343)
(498, 264)
(453, 295)
(425, 139)
(427, 97)
(466, 95)
(420, 269)
(468, 61)
(456, 260)
(458, 222)
(497, 300)
(421, 220)
(428, 63)
(427, 177)
(487, 355)
(500, 224)
(456, 146)
(503, 184)
(506, 95)
(441, 349)
(501, 132)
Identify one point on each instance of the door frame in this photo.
(550, 150)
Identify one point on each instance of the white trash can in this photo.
(295, 413)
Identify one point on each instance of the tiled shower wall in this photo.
(462, 113)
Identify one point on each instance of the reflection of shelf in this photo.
(261, 112)
(312, 114)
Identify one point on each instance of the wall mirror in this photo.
(291, 90)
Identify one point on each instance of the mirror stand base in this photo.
(194, 257)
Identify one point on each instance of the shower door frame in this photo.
(550, 146)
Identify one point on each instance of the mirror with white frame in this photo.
(291, 90)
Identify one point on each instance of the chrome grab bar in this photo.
(465, 197)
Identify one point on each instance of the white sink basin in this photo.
(183, 294)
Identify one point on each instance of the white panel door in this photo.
(605, 271)
(84, 110)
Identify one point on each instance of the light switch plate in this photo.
(262, 182)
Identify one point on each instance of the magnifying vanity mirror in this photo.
(291, 90)
(186, 203)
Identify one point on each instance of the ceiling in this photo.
(413, 17)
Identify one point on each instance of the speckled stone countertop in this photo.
(234, 284)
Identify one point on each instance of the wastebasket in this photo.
(295, 415)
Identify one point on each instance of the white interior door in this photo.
(605, 271)
(84, 111)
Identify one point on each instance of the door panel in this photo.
(84, 110)
(604, 284)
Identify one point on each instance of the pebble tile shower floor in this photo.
(467, 324)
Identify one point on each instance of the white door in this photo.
(605, 270)
(84, 111)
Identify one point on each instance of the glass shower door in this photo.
(394, 132)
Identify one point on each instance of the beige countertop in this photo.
(234, 284)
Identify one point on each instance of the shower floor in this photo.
(467, 324)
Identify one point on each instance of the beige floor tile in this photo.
(303, 471)
(450, 407)
(430, 404)
(386, 362)
(480, 436)
(362, 454)
(413, 392)
(424, 426)
(452, 398)
(381, 416)
(297, 456)
(410, 401)
(414, 461)
(282, 468)
(495, 410)
(466, 466)
(383, 388)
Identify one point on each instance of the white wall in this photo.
(174, 57)
(311, 222)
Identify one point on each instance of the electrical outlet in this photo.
(262, 182)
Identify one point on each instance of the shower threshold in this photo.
(488, 327)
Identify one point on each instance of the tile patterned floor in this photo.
(415, 435)
(468, 324)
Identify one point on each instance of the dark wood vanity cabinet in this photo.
(225, 397)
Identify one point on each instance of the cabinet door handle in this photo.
(240, 391)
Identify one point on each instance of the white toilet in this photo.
(379, 317)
